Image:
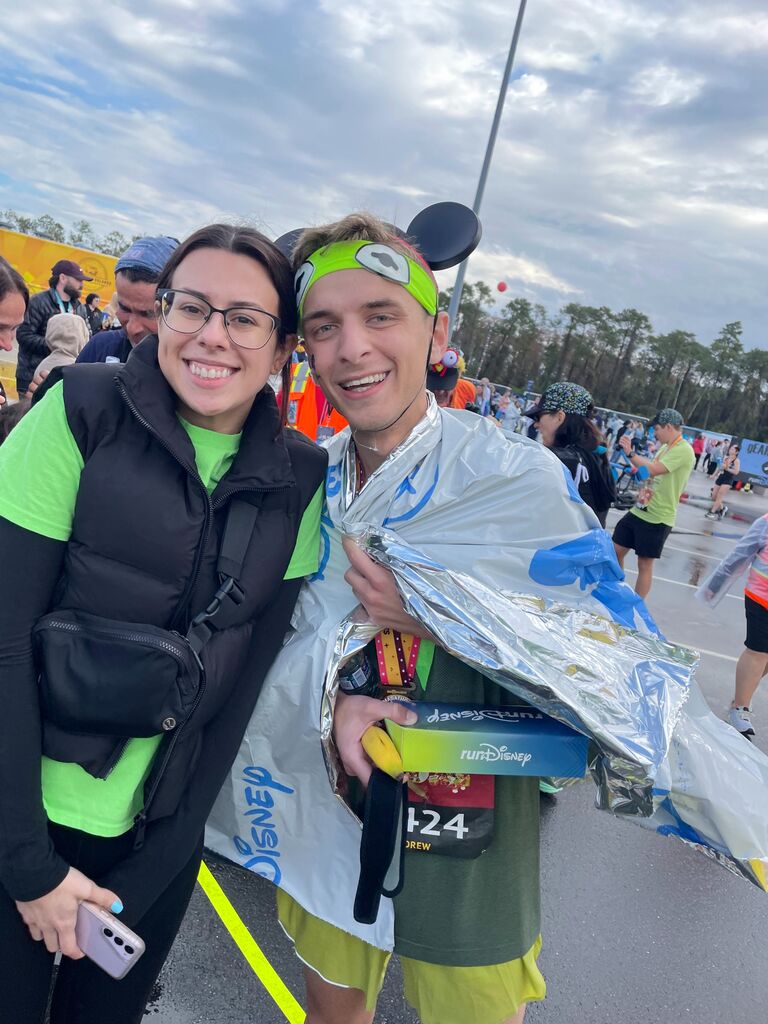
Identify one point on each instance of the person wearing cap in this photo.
(62, 296)
(136, 275)
(564, 418)
(645, 528)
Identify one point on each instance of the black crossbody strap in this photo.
(382, 845)
(238, 530)
(241, 519)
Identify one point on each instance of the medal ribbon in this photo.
(396, 654)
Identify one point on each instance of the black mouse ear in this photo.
(445, 234)
(287, 243)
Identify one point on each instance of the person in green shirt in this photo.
(645, 528)
(116, 492)
(466, 930)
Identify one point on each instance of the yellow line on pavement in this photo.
(249, 947)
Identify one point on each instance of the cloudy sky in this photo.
(631, 166)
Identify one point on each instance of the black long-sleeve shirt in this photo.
(29, 865)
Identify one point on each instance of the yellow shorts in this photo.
(440, 995)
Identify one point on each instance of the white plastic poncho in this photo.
(496, 554)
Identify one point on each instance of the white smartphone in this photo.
(105, 940)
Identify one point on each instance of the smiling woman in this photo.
(133, 502)
(220, 334)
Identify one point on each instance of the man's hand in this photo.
(626, 444)
(376, 590)
(51, 919)
(352, 716)
(37, 380)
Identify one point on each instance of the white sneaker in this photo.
(741, 720)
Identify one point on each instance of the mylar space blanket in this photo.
(496, 554)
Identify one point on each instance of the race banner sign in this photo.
(753, 456)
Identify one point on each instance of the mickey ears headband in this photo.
(445, 234)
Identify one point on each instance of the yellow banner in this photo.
(34, 258)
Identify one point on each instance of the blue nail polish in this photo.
(116, 907)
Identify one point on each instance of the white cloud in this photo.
(494, 265)
(733, 33)
(737, 216)
(629, 168)
(661, 86)
(625, 222)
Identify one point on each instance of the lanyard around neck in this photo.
(64, 307)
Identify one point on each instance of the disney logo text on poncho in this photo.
(259, 786)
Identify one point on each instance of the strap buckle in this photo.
(201, 630)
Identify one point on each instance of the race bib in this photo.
(451, 815)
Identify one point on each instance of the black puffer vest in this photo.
(146, 535)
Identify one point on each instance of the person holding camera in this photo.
(156, 522)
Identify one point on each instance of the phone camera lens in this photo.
(118, 941)
(129, 950)
(108, 932)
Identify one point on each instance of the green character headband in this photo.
(379, 259)
(445, 234)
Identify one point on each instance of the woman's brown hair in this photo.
(249, 242)
(12, 281)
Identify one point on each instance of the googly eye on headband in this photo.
(373, 256)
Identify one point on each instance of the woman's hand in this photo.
(352, 716)
(376, 590)
(51, 918)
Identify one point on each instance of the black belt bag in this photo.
(100, 676)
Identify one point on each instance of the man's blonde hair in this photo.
(363, 227)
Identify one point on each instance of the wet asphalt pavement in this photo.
(637, 928)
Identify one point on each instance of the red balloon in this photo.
(502, 286)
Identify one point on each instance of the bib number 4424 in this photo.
(429, 822)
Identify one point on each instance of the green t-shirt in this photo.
(472, 913)
(40, 466)
(667, 488)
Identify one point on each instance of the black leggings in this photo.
(84, 994)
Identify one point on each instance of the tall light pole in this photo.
(453, 308)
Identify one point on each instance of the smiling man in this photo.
(468, 944)
(369, 337)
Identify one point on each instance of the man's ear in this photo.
(439, 338)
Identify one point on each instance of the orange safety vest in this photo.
(308, 409)
(463, 392)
